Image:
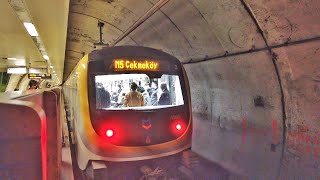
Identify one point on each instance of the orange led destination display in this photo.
(148, 65)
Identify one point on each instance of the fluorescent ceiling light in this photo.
(15, 59)
(46, 57)
(17, 62)
(31, 29)
(17, 70)
(20, 64)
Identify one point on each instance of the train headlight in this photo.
(178, 127)
(109, 133)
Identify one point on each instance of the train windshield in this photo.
(137, 91)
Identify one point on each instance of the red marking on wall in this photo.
(304, 141)
(274, 132)
(247, 128)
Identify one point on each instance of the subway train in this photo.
(106, 128)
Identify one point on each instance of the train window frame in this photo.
(149, 107)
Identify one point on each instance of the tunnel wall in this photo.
(300, 75)
(237, 111)
(235, 102)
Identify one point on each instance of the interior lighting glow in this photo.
(31, 29)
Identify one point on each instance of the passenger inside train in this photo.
(133, 98)
(103, 96)
(149, 92)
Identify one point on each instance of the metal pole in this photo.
(142, 19)
(100, 24)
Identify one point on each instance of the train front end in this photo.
(114, 130)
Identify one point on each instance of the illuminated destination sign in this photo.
(147, 65)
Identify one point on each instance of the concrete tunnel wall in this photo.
(237, 111)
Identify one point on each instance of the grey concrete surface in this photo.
(66, 165)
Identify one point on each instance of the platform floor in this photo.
(66, 171)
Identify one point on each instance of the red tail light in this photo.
(109, 133)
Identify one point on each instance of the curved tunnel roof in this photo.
(191, 29)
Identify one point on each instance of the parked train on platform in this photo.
(105, 128)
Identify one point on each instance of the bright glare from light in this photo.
(109, 133)
(46, 57)
(51, 67)
(84, 66)
(178, 126)
(15, 59)
(31, 29)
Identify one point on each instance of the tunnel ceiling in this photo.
(192, 30)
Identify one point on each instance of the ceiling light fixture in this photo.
(30, 28)
(15, 59)
(21, 70)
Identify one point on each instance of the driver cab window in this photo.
(137, 91)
